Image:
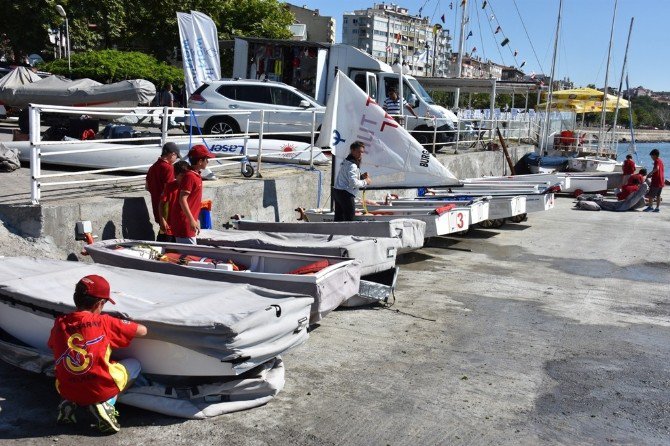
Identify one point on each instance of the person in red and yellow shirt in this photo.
(82, 343)
(161, 173)
(657, 182)
(183, 219)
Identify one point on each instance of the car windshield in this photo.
(306, 96)
(420, 91)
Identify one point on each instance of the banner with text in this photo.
(199, 48)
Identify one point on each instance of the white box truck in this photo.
(311, 67)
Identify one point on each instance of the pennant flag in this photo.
(442, 18)
(469, 35)
(516, 52)
(522, 64)
(504, 42)
(392, 156)
(484, 4)
(420, 9)
(498, 29)
(463, 3)
(492, 17)
(451, 5)
(474, 49)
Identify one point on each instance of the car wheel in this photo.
(221, 126)
(423, 138)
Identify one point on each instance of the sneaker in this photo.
(66, 412)
(106, 415)
(656, 210)
(648, 209)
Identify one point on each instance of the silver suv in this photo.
(252, 96)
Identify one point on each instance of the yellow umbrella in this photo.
(584, 105)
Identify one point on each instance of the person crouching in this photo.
(82, 342)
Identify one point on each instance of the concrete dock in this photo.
(554, 331)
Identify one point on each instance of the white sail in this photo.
(393, 158)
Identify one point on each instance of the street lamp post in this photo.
(436, 29)
(61, 12)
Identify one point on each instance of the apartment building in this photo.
(311, 25)
(376, 30)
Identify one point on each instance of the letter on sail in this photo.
(393, 158)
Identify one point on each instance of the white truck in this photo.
(311, 67)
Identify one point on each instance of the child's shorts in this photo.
(654, 192)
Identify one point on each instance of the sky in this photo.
(584, 37)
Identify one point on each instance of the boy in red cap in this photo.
(170, 197)
(183, 219)
(160, 174)
(82, 343)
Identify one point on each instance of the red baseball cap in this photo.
(199, 151)
(96, 286)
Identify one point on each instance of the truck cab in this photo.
(377, 86)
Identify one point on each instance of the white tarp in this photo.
(199, 48)
(393, 158)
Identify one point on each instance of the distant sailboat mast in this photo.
(623, 71)
(601, 135)
(547, 108)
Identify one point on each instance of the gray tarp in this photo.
(12, 81)
(229, 322)
(633, 201)
(56, 90)
(410, 232)
(375, 254)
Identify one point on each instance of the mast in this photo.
(630, 124)
(623, 70)
(607, 72)
(461, 48)
(547, 108)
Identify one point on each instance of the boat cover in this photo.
(196, 401)
(633, 201)
(57, 90)
(409, 232)
(376, 254)
(11, 81)
(329, 287)
(237, 323)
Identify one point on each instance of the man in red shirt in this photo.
(183, 219)
(657, 182)
(82, 343)
(628, 169)
(160, 174)
(628, 189)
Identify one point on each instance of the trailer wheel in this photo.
(248, 171)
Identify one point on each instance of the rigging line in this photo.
(481, 34)
(496, 42)
(502, 31)
(532, 47)
(437, 5)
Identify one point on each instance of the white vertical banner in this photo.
(200, 49)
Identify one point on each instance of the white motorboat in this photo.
(408, 232)
(197, 328)
(377, 255)
(105, 154)
(591, 164)
(329, 280)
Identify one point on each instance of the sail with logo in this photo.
(393, 158)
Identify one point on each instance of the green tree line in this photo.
(134, 26)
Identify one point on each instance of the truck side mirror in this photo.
(413, 100)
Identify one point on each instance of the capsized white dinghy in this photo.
(329, 280)
(377, 255)
(196, 327)
(106, 154)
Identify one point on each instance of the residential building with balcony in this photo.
(310, 25)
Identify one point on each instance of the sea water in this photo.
(642, 157)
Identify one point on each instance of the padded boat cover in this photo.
(252, 389)
(329, 287)
(375, 254)
(410, 232)
(238, 324)
(633, 201)
(56, 90)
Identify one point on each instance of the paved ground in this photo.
(550, 332)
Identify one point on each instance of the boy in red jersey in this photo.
(628, 169)
(82, 343)
(183, 219)
(170, 196)
(657, 182)
(159, 174)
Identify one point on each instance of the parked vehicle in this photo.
(240, 95)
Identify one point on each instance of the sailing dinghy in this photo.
(197, 328)
(329, 280)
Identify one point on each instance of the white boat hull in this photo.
(591, 164)
(571, 181)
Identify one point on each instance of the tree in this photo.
(25, 25)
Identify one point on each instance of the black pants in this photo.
(345, 205)
(160, 237)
